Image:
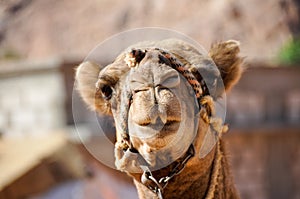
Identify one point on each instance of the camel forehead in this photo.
(151, 72)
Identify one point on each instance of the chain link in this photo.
(148, 179)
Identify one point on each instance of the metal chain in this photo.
(147, 178)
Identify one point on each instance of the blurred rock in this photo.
(40, 29)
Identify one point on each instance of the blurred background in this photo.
(42, 41)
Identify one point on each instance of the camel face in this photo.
(162, 107)
(162, 110)
(154, 105)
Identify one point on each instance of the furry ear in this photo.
(86, 78)
(225, 55)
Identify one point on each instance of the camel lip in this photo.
(160, 123)
(159, 129)
(161, 126)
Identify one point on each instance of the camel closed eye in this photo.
(170, 79)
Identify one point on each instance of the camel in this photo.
(162, 96)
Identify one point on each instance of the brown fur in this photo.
(87, 76)
(207, 177)
(225, 56)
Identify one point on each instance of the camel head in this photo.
(161, 95)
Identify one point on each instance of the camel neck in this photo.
(205, 178)
(200, 179)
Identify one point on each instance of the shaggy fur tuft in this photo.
(86, 78)
(225, 56)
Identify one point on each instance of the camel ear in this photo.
(86, 78)
(225, 55)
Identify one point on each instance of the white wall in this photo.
(31, 103)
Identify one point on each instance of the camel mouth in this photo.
(159, 123)
(158, 129)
